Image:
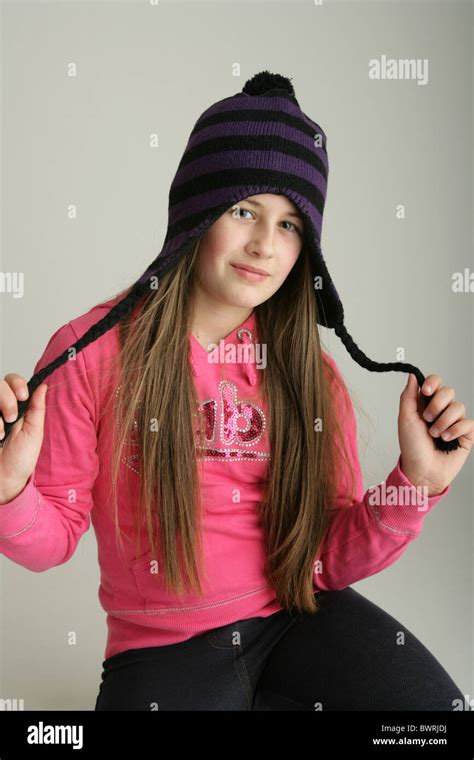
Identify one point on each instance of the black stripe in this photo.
(246, 142)
(254, 115)
(235, 177)
(276, 93)
(245, 176)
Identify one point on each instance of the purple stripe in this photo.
(250, 159)
(251, 129)
(244, 102)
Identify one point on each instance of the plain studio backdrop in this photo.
(86, 87)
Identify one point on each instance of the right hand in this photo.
(20, 452)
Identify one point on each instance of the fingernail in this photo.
(434, 431)
(428, 388)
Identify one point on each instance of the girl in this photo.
(196, 420)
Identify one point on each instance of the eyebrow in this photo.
(288, 213)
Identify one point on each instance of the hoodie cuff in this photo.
(20, 513)
(400, 506)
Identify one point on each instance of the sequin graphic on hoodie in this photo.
(231, 427)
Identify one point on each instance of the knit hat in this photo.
(256, 141)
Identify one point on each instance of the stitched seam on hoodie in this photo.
(167, 610)
(392, 528)
(27, 527)
(380, 523)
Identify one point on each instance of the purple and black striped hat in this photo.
(256, 141)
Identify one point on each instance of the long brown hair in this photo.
(156, 386)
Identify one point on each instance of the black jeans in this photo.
(351, 655)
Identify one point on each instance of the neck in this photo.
(212, 320)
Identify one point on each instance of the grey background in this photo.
(85, 141)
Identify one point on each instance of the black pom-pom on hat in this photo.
(264, 81)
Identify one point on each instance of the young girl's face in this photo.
(263, 232)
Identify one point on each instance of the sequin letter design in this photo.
(241, 427)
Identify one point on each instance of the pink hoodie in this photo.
(42, 526)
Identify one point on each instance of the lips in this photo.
(250, 269)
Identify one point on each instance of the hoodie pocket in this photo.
(147, 573)
(148, 577)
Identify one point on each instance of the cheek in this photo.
(222, 238)
(218, 244)
(210, 261)
(287, 265)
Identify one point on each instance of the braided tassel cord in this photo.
(372, 366)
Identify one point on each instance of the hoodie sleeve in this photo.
(373, 530)
(42, 525)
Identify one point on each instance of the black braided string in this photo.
(369, 364)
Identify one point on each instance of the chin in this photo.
(241, 299)
(242, 303)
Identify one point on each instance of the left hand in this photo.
(421, 462)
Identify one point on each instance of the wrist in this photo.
(420, 482)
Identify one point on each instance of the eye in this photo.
(235, 211)
(295, 228)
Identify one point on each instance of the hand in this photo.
(20, 452)
(421, 462)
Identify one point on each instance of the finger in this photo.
(8, 402)
(463, 429)
(33, 419)
(18, 384)
(438, 403)
(431, 384)
(455, 412)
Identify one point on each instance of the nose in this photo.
(262, 240)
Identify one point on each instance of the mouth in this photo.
(250, 274)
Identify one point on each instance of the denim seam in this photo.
(245, 681)
(287, 699)
(216, 643)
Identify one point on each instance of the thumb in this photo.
(33, 419)
(409, 384)
(409, 396)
